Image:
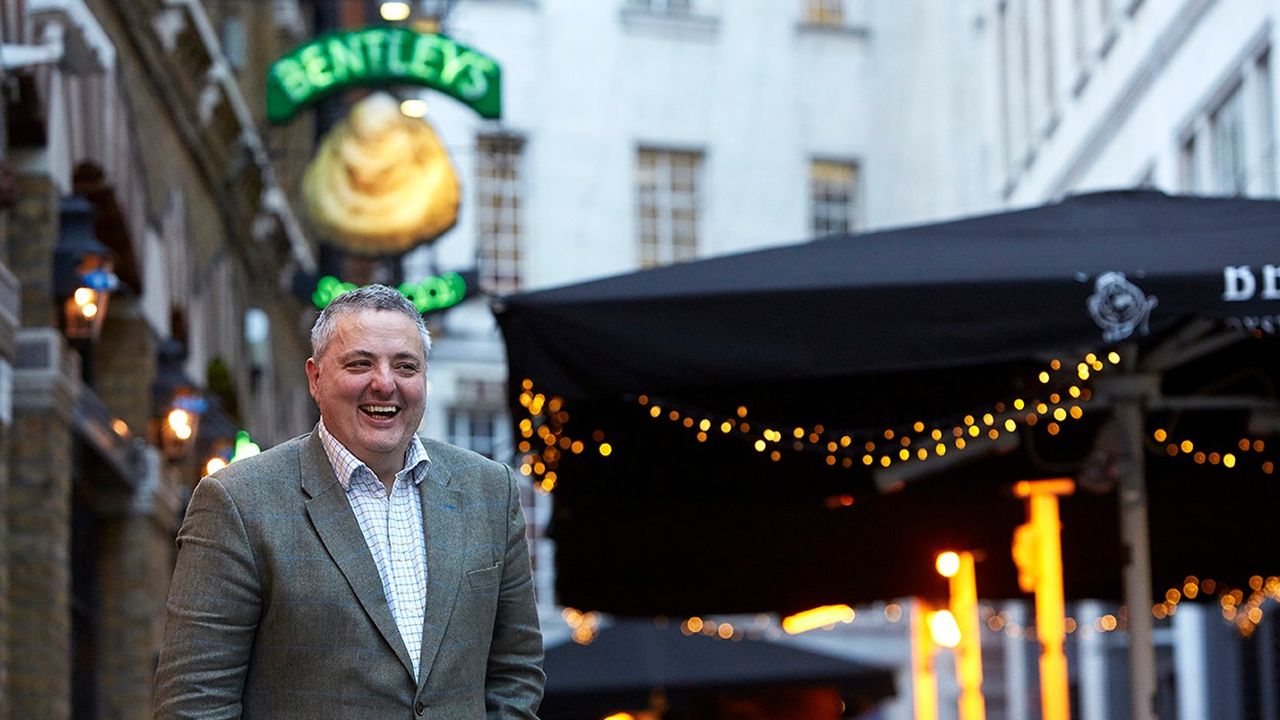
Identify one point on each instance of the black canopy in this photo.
(873, 336)
(1010, 286)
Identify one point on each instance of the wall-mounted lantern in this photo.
(179, 425)
(177, 402)
(84, 276)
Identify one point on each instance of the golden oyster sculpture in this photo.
(381, 183)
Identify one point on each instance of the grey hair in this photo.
(370, 297)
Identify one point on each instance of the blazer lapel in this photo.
(442, 515)
(336, 524)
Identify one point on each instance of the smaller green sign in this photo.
(435, 292)
(328, 288)
(382, 56)
(245, 446)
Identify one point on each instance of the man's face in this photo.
(371, 386)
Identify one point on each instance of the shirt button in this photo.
(420, 707)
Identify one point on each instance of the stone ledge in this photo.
(46, 374)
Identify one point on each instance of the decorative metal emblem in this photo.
(1119, 307)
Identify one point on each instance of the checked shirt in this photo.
(392, 527)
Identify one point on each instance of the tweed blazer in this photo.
(277, 609)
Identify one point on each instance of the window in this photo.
(1004, 57)
(1229, 148)
(667, 205)
(833, 188)
(477, 420)
(1266, 153)
(498, 221)
(1188, 166)
(1024, 46)
(1226, 143)
(672, 20)
(824, 12)
(233, 43)
(475, 429)
(666, 7)
(1079, 31)
(1050, 69)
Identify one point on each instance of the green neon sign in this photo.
(382, 56)
(245, 447)
(435, 292)
(328, 288)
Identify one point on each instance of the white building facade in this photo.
(638, 133)
(1172, 95)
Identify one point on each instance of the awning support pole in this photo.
(1136, 539)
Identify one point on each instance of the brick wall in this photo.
(32, 235)
(137, 561)
(9, 310)
(125, 364)
(39, 519)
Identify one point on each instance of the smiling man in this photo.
(356, 571)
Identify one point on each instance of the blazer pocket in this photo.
(485, 577)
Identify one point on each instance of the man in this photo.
(356, 571)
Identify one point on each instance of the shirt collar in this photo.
(346, 464)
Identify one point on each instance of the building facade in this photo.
(644, 132)
(635, 133)
(147, 224)
(1173, 95)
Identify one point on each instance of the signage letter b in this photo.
(1238, 283)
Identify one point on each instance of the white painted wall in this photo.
(754, 89)
(1169, 63)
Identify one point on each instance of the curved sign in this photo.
(382, 56)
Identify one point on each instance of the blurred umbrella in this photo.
(873, 336)
(765, 411)
(631, 659)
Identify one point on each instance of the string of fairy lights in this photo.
(1064, 393)
(544, 439)
(1245, 608)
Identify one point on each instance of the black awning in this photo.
(859, 340)
(992, 289)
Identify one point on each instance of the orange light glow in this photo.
(947, 563)
(944, 629)
(817, 617)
